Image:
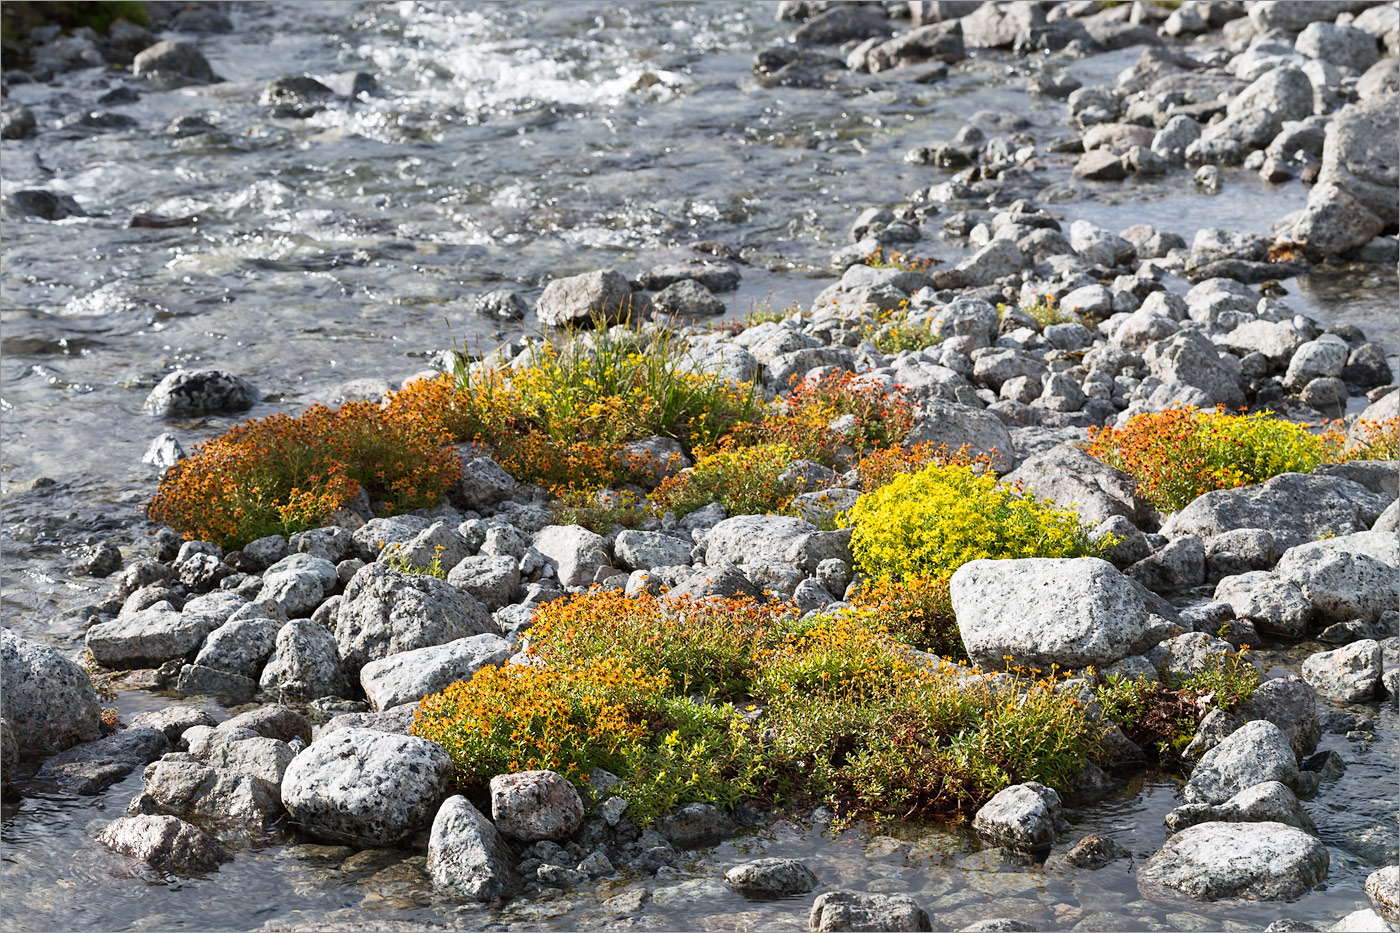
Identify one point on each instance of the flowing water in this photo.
(511, 143)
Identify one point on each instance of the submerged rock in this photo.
(771, 878)
(1256, 861)
(852, 910)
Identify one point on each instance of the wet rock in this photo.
(502, 304)
(934, 42)
(1094, 852)
(1335, 221)
(1020, 817)
(535, 805)
(17, 123)
(714, 276)
(366, 788)
(166, 843)
(1383, 888)
(89, 768)
(412, 675)
(1256, 861)
(198, 680)
(695, 825)
(484, 485)
(852, 910)
(1350, 674)
(42, 203)
(687, 298)
(1294, 507)
(1072, 612)
(99, 560)
(1270, 801)
(384, 612)
(295, 95)
(467, 858)
(305, 663)
(173, 721)
(48, 701)
(577, 299)
(1257, 752)
(230, 805)
(190, 393)
(771, 878)
(173, 64)
(578, 552)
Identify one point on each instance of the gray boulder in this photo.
(366, 788)
(1255, 861)
(1285, 92)
(48, 703)
(385, 612)
(577, 299)
(1383, 888)
(150, 637)
(1190, 358)
(484, 484)
(1253, 754)
(467, 858)
(1341, 584)
(1044, 611)
(495, 581)
(411, 675)
(578, 552)
(298, 583)
(1358, 156)
(956, 426)
(1290, 703)
(1020, 817)
(1072, 478)
(190, 393)
(166, 843)
(535, 805)
(687, 298)
(172, 721)
(240, 646)
(227, 804)
(644, 550)
(1294, 507)
(1350, 674)
(305, 663)
(1274, 606)
(438, 542)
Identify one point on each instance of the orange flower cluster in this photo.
(283, 474)
(1181, 453)
(531, 718)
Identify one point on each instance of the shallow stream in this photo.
(512, 143)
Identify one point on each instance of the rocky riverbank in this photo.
(327, 639)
